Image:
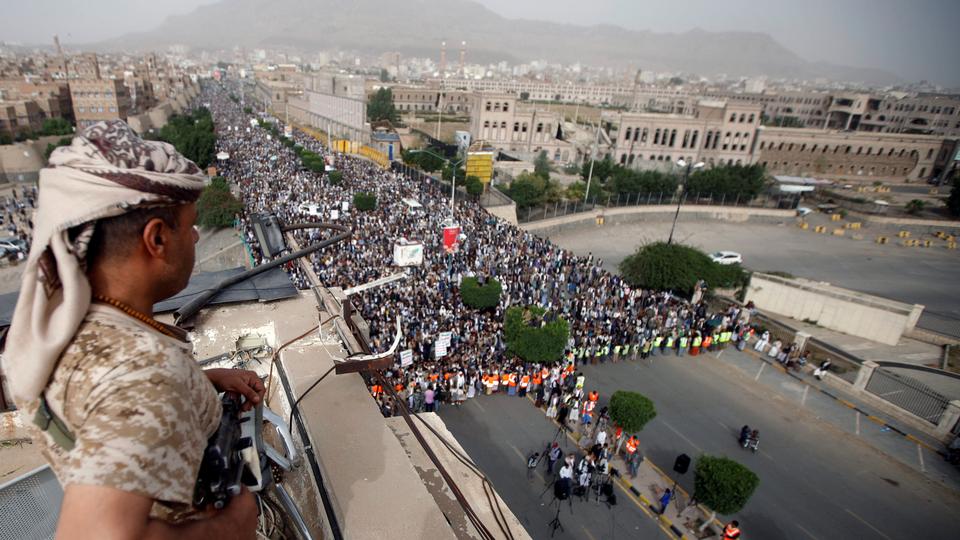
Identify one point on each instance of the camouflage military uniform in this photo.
(140, 408)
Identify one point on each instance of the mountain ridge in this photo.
(377, 26)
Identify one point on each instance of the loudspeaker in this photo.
(682, 464)
(561, 489)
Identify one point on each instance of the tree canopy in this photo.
(728, 182)
(534, 337)
(364, 201)
(381, 107)
(631, 410)
(192, 135)
(478, 296)
(423, 160)
(217, 207)
(528, 190)
(675, 267)
(722, 484)
(541, 165)
(631, 181)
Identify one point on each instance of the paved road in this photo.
(912, 275)
(816, 481)
(488, 429)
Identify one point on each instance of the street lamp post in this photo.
(687, 167)
(453, 178)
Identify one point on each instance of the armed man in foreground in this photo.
(122, 410)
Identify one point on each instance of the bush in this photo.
(542, 165)
(722, 484)
(631, 410)
(247, 110)
(675, 267)
(365, 201)
(528, 190)
(217, 207)
(632, 182)
(533, 342)
(478, 296)
(335, 177)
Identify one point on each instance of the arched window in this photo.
(486, 123)
(628, 133)
(693, 140)
(751, 118)
(656, 136)
(623, 159)
(743, 118)
(643, 138)
(673, 138)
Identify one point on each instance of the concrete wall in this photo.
(633, 214)
(21, 162)
(852, 313)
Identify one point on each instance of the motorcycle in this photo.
(751, 441)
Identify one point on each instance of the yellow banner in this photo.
(480, 164)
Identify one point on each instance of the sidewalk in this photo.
(845, 413)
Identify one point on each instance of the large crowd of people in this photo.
(609, 320)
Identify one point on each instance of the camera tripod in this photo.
(554, 523)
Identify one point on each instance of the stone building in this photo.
(520, 129)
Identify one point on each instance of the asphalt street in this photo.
(911, 275)
(815, 480)
(499, 433)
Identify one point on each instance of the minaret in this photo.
(463, 56)
(63, 59)
(443, 58)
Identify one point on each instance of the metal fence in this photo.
(908, 394)
(620, 200)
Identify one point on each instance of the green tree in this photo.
(728, 182)
(628, 181)
(474, 186)
(675, 267)
(64, 141)
(478, 296)
(524, 96)
(448, 171)
(953, 202)
(192, 135)
(631, 410)
(541, 165)
(533, 338)
(217, 207)
(335, 177)
(723, 485)
(422, 160)
(380, 107)
(527, 190)
(247, 110)
(56, 126)
(577, 190)
(365, 201)
(602, 170)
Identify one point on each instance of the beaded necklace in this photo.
(145, 319)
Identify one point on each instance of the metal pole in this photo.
(593, 155)
(679, 202)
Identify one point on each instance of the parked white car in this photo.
(727, 257)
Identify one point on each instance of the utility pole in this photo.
(593, 155)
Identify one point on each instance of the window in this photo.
(673, 138)
(693, 140)
(539, 127)
(627, 134)
(929, 155)
(656, 137)
(743, 118)
(923, 172)
(643, 138)
(733, 117)
(686, 138)
(496, 106)
(523, 127)
(623, 159)
(506, 107)
(503, 125)
(113, 109)
(516, 127)
(486, 124)
(488, 105)
(751, 118)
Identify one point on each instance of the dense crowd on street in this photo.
(16, 224)
(609, 320)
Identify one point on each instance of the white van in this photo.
(311, 209)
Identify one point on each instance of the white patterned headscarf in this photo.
(107, 170)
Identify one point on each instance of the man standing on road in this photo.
(123, 411)
(553, 456)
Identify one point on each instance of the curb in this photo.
(665, 523)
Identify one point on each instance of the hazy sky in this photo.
(916, 39)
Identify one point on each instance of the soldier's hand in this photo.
(241, 381)
(241, 515)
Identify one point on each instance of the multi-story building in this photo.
(19, 118)
(53, 97)
(521, 129)
(716, 132)
(427, 99)
(850, 154)
(95, 100)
